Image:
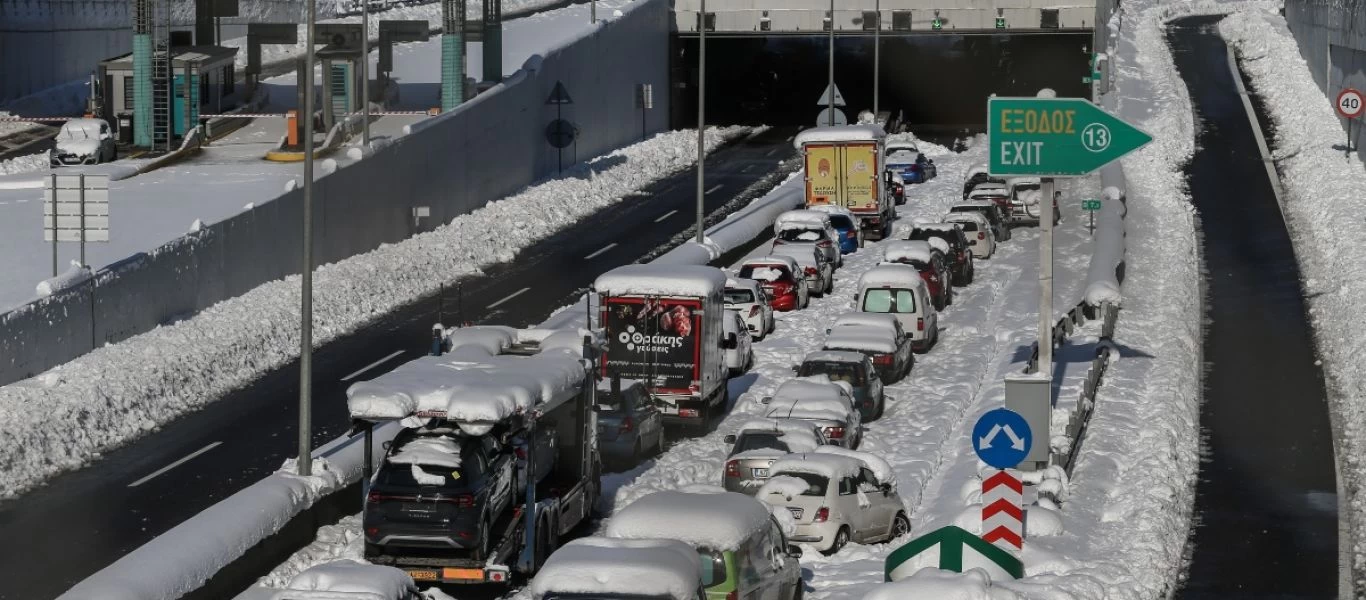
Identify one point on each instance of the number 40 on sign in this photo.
(1349, 105)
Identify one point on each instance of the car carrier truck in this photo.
(843, 167)
(497, 459)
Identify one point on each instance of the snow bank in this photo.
(1322, 193)
(1102, 280)
(661, 280)
(124, 390)
(720, 521)
(72, 277)
(740, 227)
(941, 585)
(349, 579)
(24, 164)
(598, 566)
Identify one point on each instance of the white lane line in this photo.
(713, 188)
(747, 168)
(510, 296)
(790, 137)
(174, 464)
(771, 152)
(371, 365)
(666, 215)
(600, 251)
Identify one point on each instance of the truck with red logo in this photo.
(663, 326)
(844, 166)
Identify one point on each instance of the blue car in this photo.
(844, 223)
(905, 160)
(630, 428)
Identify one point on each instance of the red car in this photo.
(929, 262)
(782, 280)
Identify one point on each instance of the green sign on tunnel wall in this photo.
(1055, 137)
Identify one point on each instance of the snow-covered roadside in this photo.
(24, 164)
(1322, 207)
(122, 391)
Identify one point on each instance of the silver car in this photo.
(758, 443)
(836, 499)
(829, 405)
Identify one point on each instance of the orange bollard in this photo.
(292, 127)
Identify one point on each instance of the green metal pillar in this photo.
(142, 73)
(493, 40)
(452, 54)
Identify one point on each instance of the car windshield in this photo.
(713, 566)
(411, 476)
(738, 296)
(815, 484)
(901, 156)
(888, 301)
(836, 371)
(799, 235)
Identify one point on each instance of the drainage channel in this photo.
(1266, 503)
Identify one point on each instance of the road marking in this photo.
(174, 464)
(713, 188)
(747, 168)
(600, 251)
(790, 137)
(371, 365)
(510, 296)
(666, 215)
(770, 152)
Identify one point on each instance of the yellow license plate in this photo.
(462, 574)
(423, 575)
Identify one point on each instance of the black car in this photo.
(960, 253)
(440, 489)
(999, 227)
(853, 368)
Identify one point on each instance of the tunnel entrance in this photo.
(940, 82)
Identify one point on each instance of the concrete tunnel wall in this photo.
(1331, 35)
(486, 149)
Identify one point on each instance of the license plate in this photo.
(796, 512)
(463, 574)
(757, 472)
(423, 575)
(414, 509)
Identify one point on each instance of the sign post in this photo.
(1091, 206)
(830, 115)
(1350, 105)
(560, 133)
(1002, 438)
(75, 209)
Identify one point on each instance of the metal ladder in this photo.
(161, 78)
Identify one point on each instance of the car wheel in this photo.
(900, 527)
(881, 407)
(485, 532)
(841, 540)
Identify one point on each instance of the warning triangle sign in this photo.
(825, 96)
(559, 95)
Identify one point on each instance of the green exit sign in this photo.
(1090, 204)
(1055, 137)
(1000, 23)
(937, 24)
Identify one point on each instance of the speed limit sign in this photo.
(1350, 104)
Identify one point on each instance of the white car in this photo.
(830, 405)
(976, 227)
(740, 355)
(808, 228)
(837, 496)
(747, 297)
(83, 142)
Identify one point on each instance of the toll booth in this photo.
(203, 83)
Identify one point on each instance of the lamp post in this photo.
(877, 52)
(305, 461)
(701, 112)
(830, 107)
(365, 72)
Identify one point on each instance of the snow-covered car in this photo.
(1025, 194)
(959, 254)
(929, 261)
(837, 496)
(816, 268)
(853, 368)
(808, 228)
(991, 211)
(845, 224)
(905, 159)
(995, 193)
(747, 297)
(880, 337)
(743, 551)
(782, 279)
(828, 404)
(761, 441)
(740, 355)
(896, 186)
(900, 291)
(977, 229)
(977, 175)
(83, 142)
(630, 426)
(349, 580)
(604, 568)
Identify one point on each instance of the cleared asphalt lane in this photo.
(1266, 503)
(84, 520)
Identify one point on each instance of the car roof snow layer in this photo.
(720, 521)
(840, 133)
(603, 566)
(661, 280)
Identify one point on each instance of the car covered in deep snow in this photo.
(83, 142)
(978, 230)
(959, 255)
(808, 228)
(761, 441)
(818, 270)
(782, 279)
(905, 159)
(747, 297)
(988, 209)
(929, 261)
(853, 368)
(828, 404)
(349, 580)
(845, 224)
(900, 291)
(601, 568)
(878, 336)
(728, 530)
(837, 496)
(740, 352)
(630, 427)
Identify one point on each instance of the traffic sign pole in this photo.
(1046, 279)
(1350, 105)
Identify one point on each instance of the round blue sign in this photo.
(1001, 438)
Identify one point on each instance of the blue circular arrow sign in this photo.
(1001, 438)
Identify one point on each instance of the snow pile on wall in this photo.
(22, 164)
(124, 390)
(75, 275)
(1322, 207)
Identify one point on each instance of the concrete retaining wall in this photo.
(1331, 35)
(488, 148)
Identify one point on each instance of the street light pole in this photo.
(305, 462)
(365, 72)
(701, 112)
(877, 52)
(830, 105)
(1045, 206)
